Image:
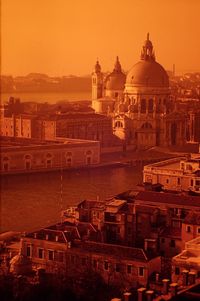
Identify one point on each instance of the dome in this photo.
(147, 73)
(116, 79)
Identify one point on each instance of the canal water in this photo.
(32, 201)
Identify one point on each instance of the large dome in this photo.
(147, 73)
(116, 79)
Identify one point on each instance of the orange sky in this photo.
(61, 37)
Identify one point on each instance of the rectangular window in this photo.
(162, 240)
(41, 253)
(178, 181)
(28, 165)
(28, 251)
(117, 268)
(83, 261)
(49, 163)
(60, 256)
(167, 181)
(188, 229)
(150, 106)
(198, 230)
(177, 271)
(141, 271)
(94, 263)
(50, 254)
(129, 269)
(192, 183)
(129, 231)
(5, 166)
(143, 106)
(72, 259)
(106, 265)
(129, 218)
(172, 243)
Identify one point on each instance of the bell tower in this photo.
(97, 82)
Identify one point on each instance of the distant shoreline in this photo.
(50, 97)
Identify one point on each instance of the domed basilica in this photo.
(139, 102)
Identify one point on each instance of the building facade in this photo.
(143, 97)
(29, 155)
(178, 174)
(66, 249)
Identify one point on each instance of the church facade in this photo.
(140, 102)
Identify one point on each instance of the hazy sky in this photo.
(61, 37)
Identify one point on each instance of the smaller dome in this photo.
(116, 79)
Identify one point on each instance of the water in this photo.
(32, 201)
(51, 97)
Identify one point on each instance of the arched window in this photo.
(118, 124)
(146, 125)
(48, 160)
(6, 164)
(27, 162)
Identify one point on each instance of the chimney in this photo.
(191, 278)
(185, 277)
(165, 289)
(149, 295)
(174, 289)
(141, 292)
(127, 296)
